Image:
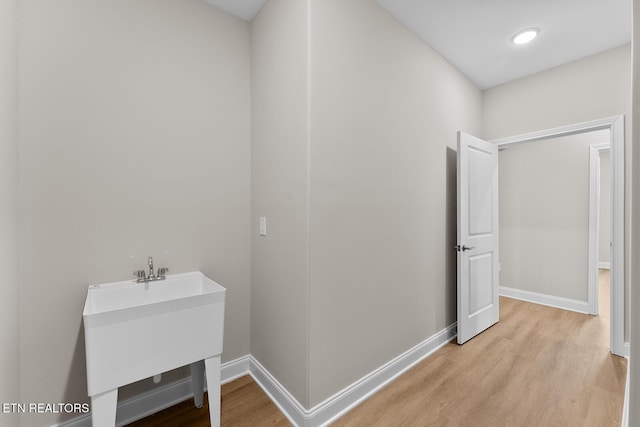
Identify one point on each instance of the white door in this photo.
(477, 236)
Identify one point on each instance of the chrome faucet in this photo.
(141, 275)
(150, 262)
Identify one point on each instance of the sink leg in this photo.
(213, 388)
(103, 408)
(197, 381)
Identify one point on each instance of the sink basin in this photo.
(137, 330)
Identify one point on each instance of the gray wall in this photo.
(604, 226)
(385, 109)
(279, 159)
(544, 215)
(144, 125)
(591, 88)
(134, 141)
(9, 298)
(357, 182)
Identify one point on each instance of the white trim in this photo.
(160, 398)
(234, 369)
(142, 405)
(549, 300)
(625, 406)
(594, 223)
(618, 239)
(340, 403)
(604, 265)
(626, 350)
(156, 400)
(616, 128)
(81, 421)
(322, 414)
(600, 124)
(278, 394)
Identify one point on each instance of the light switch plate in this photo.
(263, 226)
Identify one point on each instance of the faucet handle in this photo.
(162, 271)
(139, 274)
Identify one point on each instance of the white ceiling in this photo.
(475, 35)
(245, 9)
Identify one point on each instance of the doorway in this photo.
(615, 125)
(599, 221)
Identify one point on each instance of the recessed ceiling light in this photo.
(525, 36)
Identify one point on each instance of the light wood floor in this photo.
(538, 366)
(243, 404)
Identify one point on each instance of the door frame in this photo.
(594, 222)
(615, 125)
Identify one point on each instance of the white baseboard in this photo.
(234, 369)
(626, 350)
(148, 403)
(324, 413)
(605, 265)
(160, 398)
(278, 394)
(549, 300)
(625, 407)
(340, 403)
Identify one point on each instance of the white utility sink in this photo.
(137, 330)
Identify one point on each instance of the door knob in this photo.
(463, 248)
